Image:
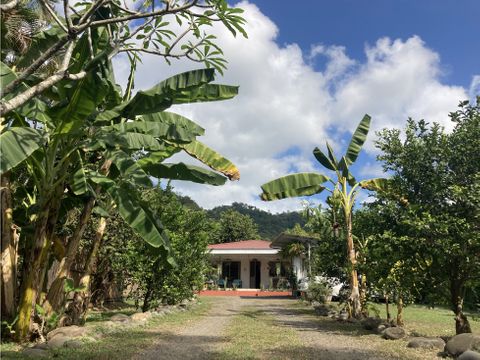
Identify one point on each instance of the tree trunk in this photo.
(35, 263)
(354, 300)
(400, 321)
(56, 297)
(9, 246)
(78, 308)
(457, 290)
(387, 308)
(31, 276)
(363, 295)
(147, 298)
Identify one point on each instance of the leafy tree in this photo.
(436, 176)
(269, 225)
(345, 189)
(141, 271)
(142, 29)
(234, 226)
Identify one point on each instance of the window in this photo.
(231, 270)
(277, 268)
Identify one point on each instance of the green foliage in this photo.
(318, 291)
(269, 225)
(142, 271)
(234, 226)
(430, 213)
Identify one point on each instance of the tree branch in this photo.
(54, 15)
(9, 5)
(136, 16)
(68, 20)
(28, 94)
(35, 65)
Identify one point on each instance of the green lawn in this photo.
(438, 321)
(125, 341)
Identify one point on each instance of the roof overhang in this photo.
(244, 251)
(285, 239)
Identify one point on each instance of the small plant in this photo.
(47, 323)
(9, 326)
(318, 291)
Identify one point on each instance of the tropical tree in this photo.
(56, 153)
(437, 175)
(144, 28)
(345, 188)
(137, 267)
(234, 226)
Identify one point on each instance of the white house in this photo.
(255, 264)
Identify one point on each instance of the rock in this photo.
(461, 343)
(381, 328)
(184, 303)
(469, 355)
(73, 344)
(58, 341)
(35, 352)
(120, 318)
(322, 310)
(393, 333)
(43, 346)
(371, 323)
(426, 343)
(342, 317)
(141, 316)
(70, 331)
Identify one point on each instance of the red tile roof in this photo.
(243, 245)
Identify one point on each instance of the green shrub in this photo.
(318, 291)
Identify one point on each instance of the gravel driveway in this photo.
(205, 337)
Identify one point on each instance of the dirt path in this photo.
(314, 337)
(198, 340)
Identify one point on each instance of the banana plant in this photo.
(87, 125)
(344, 187)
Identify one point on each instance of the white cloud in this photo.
(284, 103)
(474, 88)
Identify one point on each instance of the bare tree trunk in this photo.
(147, 298)
(363, 295)
(77, 310)
(400, 321)
(387, 308)
(9, 246)
(462, 324)
(35, 263)
(354, 300)
(55, 297)
(31, 276)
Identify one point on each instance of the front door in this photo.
(255, 274)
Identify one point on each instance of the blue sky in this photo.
(450, 27)
(309, 72)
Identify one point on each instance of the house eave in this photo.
(244, 251)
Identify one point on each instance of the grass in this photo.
(425, 321)
(121, 342)
(255, 335)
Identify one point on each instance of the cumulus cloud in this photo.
(285, 104)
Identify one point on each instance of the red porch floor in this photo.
(246, 293)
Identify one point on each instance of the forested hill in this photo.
(269, 225)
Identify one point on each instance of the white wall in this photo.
(245, 266)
